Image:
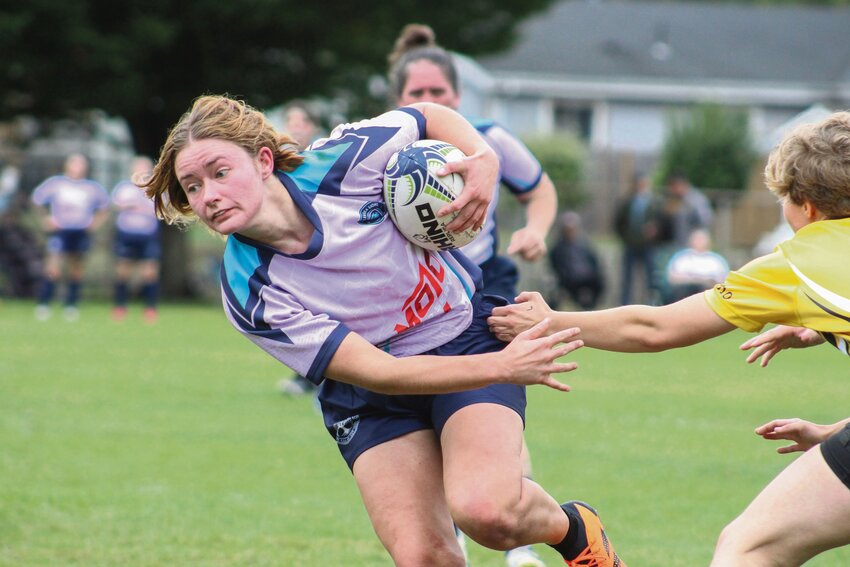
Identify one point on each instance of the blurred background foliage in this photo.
(147, 60)
(563, 158)
(712, 146)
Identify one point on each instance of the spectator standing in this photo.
(576, 263)
(636, 224)
(685, 210)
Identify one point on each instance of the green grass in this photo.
(136, 445)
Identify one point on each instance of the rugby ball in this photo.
(413, 193)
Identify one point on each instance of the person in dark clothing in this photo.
(576, 263)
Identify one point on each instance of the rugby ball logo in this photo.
(413, 193)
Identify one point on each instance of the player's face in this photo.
(76, 166)
(300, 127)
(222, 182)
(427, 83)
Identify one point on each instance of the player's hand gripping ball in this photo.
(414, 193)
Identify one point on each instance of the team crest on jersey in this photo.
(373, 212)
(344, 431)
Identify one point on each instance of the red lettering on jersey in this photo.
(427, 291)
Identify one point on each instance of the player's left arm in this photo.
(631, 328)
(804, 434)
(770, 343)
(480, 169)
(541, 203)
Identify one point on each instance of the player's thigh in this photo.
(122, 268)
(802, 512)
(482, 455)
(76, 264)
(401, 484)
(149, 270)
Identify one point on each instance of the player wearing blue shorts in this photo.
(422, 71)
(71, 207)
(414, 389)
(136, 242)
(803, 286)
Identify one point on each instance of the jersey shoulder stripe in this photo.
(244, 273)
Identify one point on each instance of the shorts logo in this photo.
(344, 431)
(372, 212)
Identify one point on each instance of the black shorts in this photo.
(836, 453)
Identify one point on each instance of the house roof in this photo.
(682, 42)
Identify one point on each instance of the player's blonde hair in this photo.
(213, 117)
(812, 163)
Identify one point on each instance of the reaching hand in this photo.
(769, 343)
(528, 243)
(509, 321)
(805, 434)
(480, 173)
(532, 357)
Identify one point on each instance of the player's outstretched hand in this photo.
(768, 344)
(532, 357)
(509, 321)
(805, 434)
(480, 172)
(528, 243)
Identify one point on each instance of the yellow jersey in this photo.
(805, 282)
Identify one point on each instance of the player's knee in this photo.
(487, 522)
(427, 554)
(737, 546)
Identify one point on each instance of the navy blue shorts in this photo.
(836, 453)
(359, 419)
(500, 277)
(137, 246)
(69, 241)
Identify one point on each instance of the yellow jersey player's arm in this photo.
(632, 328)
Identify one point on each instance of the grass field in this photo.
(135, 446)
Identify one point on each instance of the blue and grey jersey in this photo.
(72, 202)
(358, 274)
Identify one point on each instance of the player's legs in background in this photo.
(149, 275)
(52, 272)
(76, 265)
(401, 483)
(121, 289)
(802, 512)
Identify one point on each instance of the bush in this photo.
(563, 158)
(712, 147)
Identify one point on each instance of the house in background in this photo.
(617, 73)
(613, 73)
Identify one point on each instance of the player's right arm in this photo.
(530, 359)
(480, 169)
(631, 328)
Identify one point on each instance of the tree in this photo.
(147, 60)
(711, 146)
(563, 158)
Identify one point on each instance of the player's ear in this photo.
(265, 162)
(812, 212)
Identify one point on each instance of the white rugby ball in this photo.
(413, 193)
